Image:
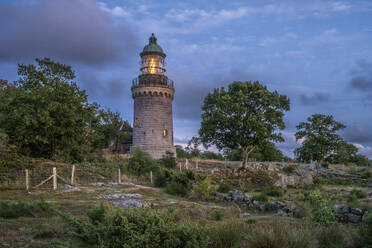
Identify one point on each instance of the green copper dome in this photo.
(152, 48)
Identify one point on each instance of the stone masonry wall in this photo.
(153, 117)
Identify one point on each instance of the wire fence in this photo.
(53, 175)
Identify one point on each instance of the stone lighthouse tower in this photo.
(153, 94)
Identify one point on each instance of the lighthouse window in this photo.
(165, 133)
(136, 123)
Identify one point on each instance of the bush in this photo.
(177, 189)
(261, 198)
(366, 175)
(15, 209)
(168, 160)
(290, 169)
(321, 213)
(141, 162)
(205, 188)
(107, 227)
(161, 179)
(356, 194)
(223, 187)
(217, 215)
(273, 191)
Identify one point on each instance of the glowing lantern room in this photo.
(152, 58)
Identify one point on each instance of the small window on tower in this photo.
(165, 133)
(136, 123)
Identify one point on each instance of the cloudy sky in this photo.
(318, 53)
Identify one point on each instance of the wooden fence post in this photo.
(54, 178)
(119, 176)
(197, 160)
(180, 167)
(72, 174)
(151, 177)
(27, 180)
(187, 164)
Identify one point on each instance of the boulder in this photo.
(243, 215)
(356, 211)
(238, 198)
(341, 209)
(353, 218)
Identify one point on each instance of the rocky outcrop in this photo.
(121, 195)
(237, 197)
(346, 214)
(130, 204)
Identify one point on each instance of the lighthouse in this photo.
(153, 94)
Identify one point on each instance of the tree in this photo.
(111, 128)
(266, 151)
(44, 113)
(319, 137)
(192, 147)
(242, 117)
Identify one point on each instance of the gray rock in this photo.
(238, 197)
(130, 204)
(353, 218)
(219, 195)
(281, 212)
(243, 215)
(341, 209)
(69, 188)
(298, 214)
(356, 211)
(119, 196)
(290, 208)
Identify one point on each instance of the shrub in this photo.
(177, 189)
(355, 194)
(205, 188)
(290, 169)
(321, 213)
(261, 198)
(161, 179)
(15, 209)
(366, 175)
(177, 183)
(217, 215)
(141, 162)
(223, 187)
(168, 160)
(325, 165)
(107, 227)
(273, 191)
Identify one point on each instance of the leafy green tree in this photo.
(111, 128)
(180, 152)
(319, 137)
(266, 151)
(192, 147)
(44, 113)
(344, 153)
(242, 117)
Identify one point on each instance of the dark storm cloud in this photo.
(357, 133)
(189, 97)
(72, 30)
(362, 76)
(315, 99)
